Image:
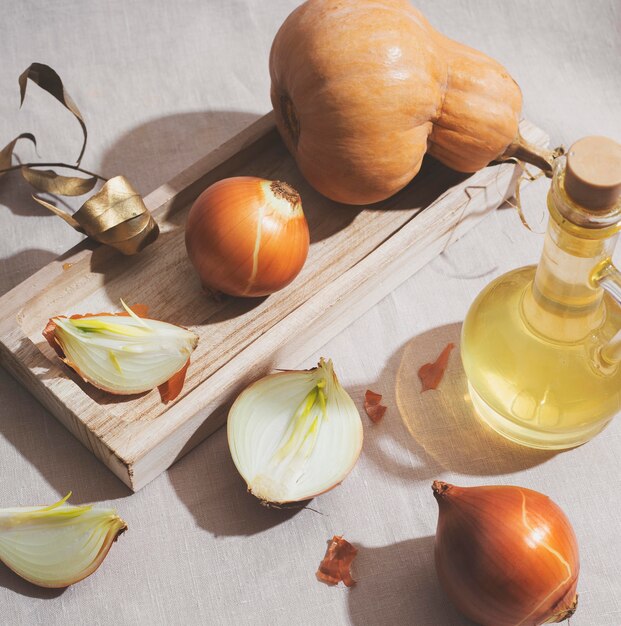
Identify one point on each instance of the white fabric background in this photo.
(160, 84)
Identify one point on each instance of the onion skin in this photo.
(247, 236)
(505, 556)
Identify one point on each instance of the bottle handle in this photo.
(608, 277)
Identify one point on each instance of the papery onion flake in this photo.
(372, 406)
(336, 564)
(431, 374)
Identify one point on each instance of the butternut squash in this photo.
(362, 89)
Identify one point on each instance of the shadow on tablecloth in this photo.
(397, 584)
(10, 580)
(441, 428)
(152, 153)
(219, 502)
(60, 458)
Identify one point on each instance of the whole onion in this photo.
(247, 236)
(506, 556)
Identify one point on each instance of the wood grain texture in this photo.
(355, 259)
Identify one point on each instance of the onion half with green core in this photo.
(57, 545)
(295, 434)
(123, 354)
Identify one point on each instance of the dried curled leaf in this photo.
(336, 564)
(54, 209)
(431, 374)
(6, 153)
(51, 182)
(47, 78)
(115, 216)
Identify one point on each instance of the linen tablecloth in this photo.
(162, 83)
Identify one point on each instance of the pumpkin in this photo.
(362, 89)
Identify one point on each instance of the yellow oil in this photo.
(540, 390)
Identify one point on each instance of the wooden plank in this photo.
(356, 258)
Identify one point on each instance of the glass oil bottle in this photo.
(541, 346)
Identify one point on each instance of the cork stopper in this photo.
(593, 173)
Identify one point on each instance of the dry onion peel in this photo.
(431, 374)
(295, 434)
(58, 545)
(336, 564)
(123, 353)
(505, 555)
(373, 407)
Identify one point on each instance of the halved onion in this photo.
(295, 434)
(57, 545)
(122, 353)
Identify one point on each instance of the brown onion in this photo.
(505, 556)
(247, 236)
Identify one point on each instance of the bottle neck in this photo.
(564, 303)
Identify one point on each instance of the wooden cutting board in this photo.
(356, 258)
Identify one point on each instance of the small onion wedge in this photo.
(58, 545)
(294, 435)
(122, 353)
